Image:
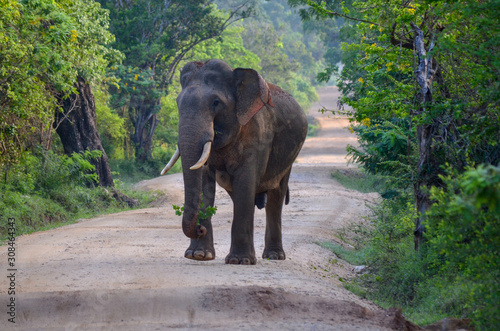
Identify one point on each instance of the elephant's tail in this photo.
(287, 198)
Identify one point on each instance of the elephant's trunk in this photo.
(194, 154)
(192, 199)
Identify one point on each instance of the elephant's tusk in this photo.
(204, 156)
(172, 161)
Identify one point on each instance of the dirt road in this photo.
(126, 271)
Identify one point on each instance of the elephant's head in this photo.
(214, 104)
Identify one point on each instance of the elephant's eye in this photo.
(215, 103)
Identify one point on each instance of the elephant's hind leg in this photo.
(273, 249)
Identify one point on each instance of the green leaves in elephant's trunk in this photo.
(205, 213)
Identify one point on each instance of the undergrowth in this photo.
(355, 179)
(455, 273)
(46, 190)
(352, 256)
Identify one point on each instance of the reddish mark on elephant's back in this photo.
(277, 91)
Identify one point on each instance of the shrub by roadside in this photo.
(46, 190)
(456, 273)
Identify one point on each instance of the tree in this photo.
(427, 73)
(76, 122)
(31, 49)
(286, 51)
(451, 118)
(48, 46)
(155, 35)
(76, 126)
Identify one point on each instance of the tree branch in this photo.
(327, 12)
(400, 43)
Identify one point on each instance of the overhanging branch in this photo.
(331, 13)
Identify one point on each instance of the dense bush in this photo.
(383, 146)
(463, 233)
(45, 189)
(456, 273)
(421, 133)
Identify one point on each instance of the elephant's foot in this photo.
(198, 251)
(248, 259)
(274, 254)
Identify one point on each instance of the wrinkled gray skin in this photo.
(257, 131)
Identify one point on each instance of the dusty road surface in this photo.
(126, 271)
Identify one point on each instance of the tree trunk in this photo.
(428, 165)
(145, 124)
(76, 126)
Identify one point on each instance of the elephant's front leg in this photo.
(242, 247)
(203, 248)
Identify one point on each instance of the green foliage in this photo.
(463, 230)
(456, 272)
(229, 48)
(360, 181)
(354, 257)
(166, 135)
(396, 275)
(156, 34)
(111, 126)
(205, 212)
(130, 171)
(313, 126)
(44, 172)
(289, 57)
(44, 45)
(276, 65)
(327, 30)
(134, 86)
(44, 190)
(384, 150)
(31, 213)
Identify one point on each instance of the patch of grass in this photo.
(352, 256)
(64, 206)
(357, 180)
(399, 276)
(395, 278)
(46, 190)
(131, 171)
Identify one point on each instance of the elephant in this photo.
(244, 133)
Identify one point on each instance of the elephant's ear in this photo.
(188, 71)
(252, 94)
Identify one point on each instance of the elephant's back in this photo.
(290, 130)
(289, 113)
